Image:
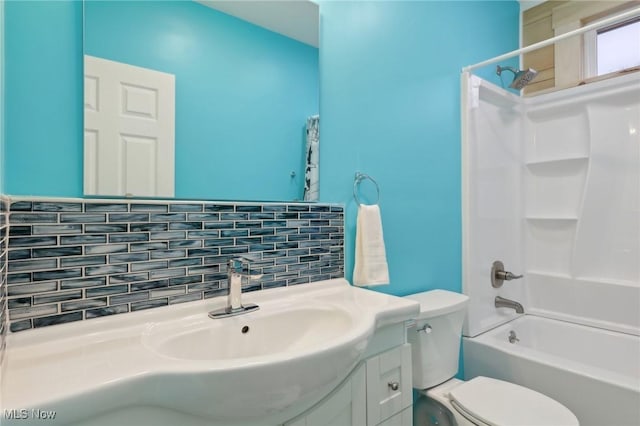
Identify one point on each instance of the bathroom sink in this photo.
(254, 335)
(239, 369)
(260, 368)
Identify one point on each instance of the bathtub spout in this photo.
(501, 302)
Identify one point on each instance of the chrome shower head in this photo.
(520, 77)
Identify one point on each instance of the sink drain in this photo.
(245, 329)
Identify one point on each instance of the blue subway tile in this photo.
(248, 224)
(83, 304)
(128, 238)
(147, 285)
(102, 312)
(234, 216)
(129, 257)
(274, 239)
(261, 216)
(19, 254)
(57, 252)
(83, 261)
(57, 319)
(155, 208)
(262, 231)
(145, 227)
(129, 217)
(105, 228)
(56, 229)
(190, 297)
(105, 270)
(83, 282)
(129, 297)
(83, 218)
(24, 277)
(20, 302)
(187, 226)
(56, 207)
(274, 223)
(128, 278)
(33, 218)
(57, 274)
(203, 234)
(297, 267)
(298, 208)
(82, 239)
(234, 233)
(218, 242)
(172, 235)
(20, 325)
(104, 249)
(261, 247)
(248, 240)
(167, 254)
(215, 293)
(185, 244)
(339, 209)
(31, 311)
(195, 270)
(298, 252)
(287, 245)
(274, 208)
(321, 222)
(61, 296)
(166, 292)
(249, 208)
(168, 273)
(296, 281)
(104, 207)
(319, 236)
(190, 279)
(20, 230)
(185, 207)
(31, 265)
(320, 208)
(203, 252)
(174, 263)
(275, 284)
(218, 225)
(106, 290)
(297, 237)
(148, 246)
(148, 266)
(21, 206)
(282, 216)
(203, 217)
(286, 260)
(27, 289)
(218, 207)
(169, 217)
(276, 253)
(330, 216)
(203, 286)
(234, 250)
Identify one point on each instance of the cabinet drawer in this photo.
(389, 384)
(403, 418)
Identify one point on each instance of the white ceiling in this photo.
(298, 19)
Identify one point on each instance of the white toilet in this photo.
(435, 346)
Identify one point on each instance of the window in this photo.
(613, 48)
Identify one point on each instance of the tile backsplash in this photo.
(70, 260)
(4, 231)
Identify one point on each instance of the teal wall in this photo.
(390, 91)
(243, 93)
(43, 99)
(220, 141)
(1, 96)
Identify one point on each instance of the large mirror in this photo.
(194, 101)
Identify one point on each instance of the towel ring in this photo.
(359, 178)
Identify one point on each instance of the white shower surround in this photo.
(551, 186)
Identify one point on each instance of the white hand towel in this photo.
(371, 260)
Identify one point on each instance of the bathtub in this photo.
(593, 372)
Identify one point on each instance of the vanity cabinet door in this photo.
(346, 406)
(389, 384)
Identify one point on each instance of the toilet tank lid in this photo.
(435, 303)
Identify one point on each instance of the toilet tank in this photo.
(435, 339)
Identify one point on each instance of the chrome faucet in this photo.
(234, 300)
(501, 302)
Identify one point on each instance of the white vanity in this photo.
(324, 353)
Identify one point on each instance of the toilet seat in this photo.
(493, 402)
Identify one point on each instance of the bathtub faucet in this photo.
(501, 302)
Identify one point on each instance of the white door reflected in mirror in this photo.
(129, 130)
